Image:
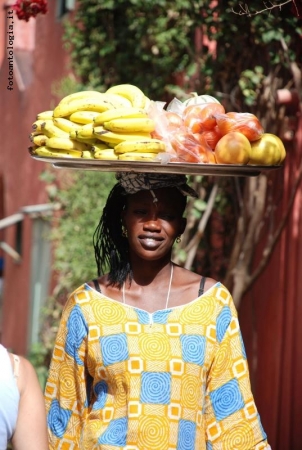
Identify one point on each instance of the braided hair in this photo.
(111, 248)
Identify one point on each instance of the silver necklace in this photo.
(168, 294)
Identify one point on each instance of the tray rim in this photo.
(140, 166)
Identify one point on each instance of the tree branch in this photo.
(193, 244)
(244, 9)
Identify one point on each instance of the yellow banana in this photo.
(136, 156)
(129, 91)
(51, 130)
(48, 152)
(84, 132)
(107, 154)
(63, 143)
(141, 146)
(45, 115)
(78, 95)
(99, 104)
(87, 141)
(65, 124)
(118, 100)
(87, 154)
(39, 140)
(37, 125)
(119, 113)
(130, 125)
(100, 146)
(115, 138)
(83, 117)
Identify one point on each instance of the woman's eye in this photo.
(166, 216)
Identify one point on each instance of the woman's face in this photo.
(153, 227)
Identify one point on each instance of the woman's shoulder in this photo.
(189, 277)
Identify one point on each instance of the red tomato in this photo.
(245, 123)
(203, 115)
(211, 137)
(186, 147)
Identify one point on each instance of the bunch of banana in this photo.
(131, 93)
(90, 124)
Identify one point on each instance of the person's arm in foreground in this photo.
(31, 430)
(231, 415)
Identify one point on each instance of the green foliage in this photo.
(82, 197)
(156, 46)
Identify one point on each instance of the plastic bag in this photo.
(181, 143)
(245, 123)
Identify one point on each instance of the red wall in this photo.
(18, 171)
(271, 319)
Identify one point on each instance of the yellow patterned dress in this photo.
(123, 378)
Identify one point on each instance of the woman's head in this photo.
(142, 218)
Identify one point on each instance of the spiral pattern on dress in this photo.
(154, 346)
(155, 387)
(223, 360)
(239, 436)
(101, 391)
(77, 331)
(193, 347)
(58, 419)
(67, 381)
(227, 399)
(186, 435)
(222, 323)
(116, 433)
(154, 432)
(190, 391)
(114, 348)
(200, 312)
(109, 313)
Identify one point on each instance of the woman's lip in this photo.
(153, 238)
(150, 242)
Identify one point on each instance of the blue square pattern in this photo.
(193, 348)
(156, 388)
(186, 435)
(116, 433)
(58, 419)
(227, 399)
(114, 348)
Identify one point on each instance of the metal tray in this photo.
(138, 166)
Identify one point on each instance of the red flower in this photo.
(27, 8)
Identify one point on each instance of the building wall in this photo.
(271, 314)
(39, 62)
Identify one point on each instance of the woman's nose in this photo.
(152, 222)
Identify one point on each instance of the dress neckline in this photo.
(125, 305)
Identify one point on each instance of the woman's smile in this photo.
(150, 241)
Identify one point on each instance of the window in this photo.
(63, 7)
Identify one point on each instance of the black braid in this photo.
(110, 246)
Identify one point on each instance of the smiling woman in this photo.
(149, 355)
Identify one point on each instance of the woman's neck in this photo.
(145, 272)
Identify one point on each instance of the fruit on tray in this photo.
(90, 124)
(199, 130)
(268, 150)
(124, 124)
(233, 148)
